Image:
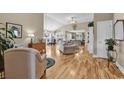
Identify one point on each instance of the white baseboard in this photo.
(95, 56)
(120, 67)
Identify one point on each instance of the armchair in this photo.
(24, 63)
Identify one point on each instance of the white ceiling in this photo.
(53, 21)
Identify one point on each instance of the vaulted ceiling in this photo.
(53, 21)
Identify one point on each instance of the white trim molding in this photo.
(120, 67)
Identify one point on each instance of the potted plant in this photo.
(6, 42)
(91, 24)
(110, 49)
(111, 43)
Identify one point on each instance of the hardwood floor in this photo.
(80, 66)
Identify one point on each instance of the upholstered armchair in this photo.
(24, 63)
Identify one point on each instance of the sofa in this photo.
(24, 63)
(69, 47)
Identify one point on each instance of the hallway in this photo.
(80, 66)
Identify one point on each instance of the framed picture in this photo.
(119, 30)
(16, 28)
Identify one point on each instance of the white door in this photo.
(104, 31)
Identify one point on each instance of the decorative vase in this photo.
(112, 55)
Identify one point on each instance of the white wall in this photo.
(32, 22)
(69, 27)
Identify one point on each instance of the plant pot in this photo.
(110, 48)
(112, 55)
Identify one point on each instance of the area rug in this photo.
(50, 62)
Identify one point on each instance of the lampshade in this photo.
(31, 35)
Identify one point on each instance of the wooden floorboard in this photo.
(80, 66)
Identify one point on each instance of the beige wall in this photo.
(32, 22)
(69, 27)
(118, 16)
(100, 17)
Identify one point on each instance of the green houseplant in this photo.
(91, 24)
(110, 49)
(111, 43)
(6, 42)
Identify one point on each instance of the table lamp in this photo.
(31, 35)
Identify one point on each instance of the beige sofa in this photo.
(69, 48)
(24, 63)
